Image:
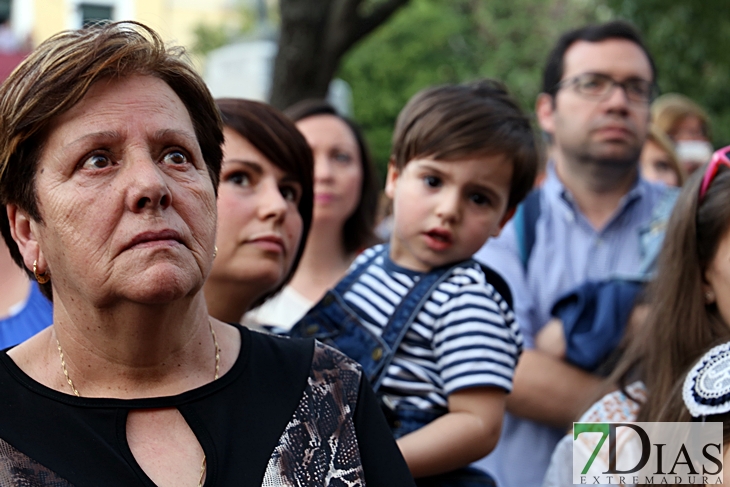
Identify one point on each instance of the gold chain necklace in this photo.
(215, 377)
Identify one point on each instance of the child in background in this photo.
(434, 330)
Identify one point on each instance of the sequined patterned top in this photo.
(289, 413)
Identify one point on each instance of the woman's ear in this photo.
(391, 179)
(707, 288)
(23, 230)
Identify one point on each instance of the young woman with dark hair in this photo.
(264, 207)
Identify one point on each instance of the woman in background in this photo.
(658, 161)
(264, 207)
(345, 205)
(688, 125)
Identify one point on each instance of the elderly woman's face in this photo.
(259, 225)
(127, 204)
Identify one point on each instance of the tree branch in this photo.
(377, 17)
(348, 27)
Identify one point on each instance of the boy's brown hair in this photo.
(454, 122)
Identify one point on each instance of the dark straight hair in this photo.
(358, 232)
(278, 139)
(617, 29)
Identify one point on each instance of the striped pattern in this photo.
(464, 336)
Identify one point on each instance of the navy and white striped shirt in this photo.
(464, 336)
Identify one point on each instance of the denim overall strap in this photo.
(351, 277)
(400, 321)
(334, 323)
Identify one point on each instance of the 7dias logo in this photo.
(647, 453)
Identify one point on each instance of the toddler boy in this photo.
(433, 329)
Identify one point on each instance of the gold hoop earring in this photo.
(215, 251)
(41, 278)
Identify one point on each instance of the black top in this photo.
(290, 412)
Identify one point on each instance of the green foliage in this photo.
(443, 41)
(425, 43)
(209, 37)
(690, 42)
(449, 41)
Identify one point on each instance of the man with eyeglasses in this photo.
(597, 87)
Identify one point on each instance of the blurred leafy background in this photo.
(431, 42)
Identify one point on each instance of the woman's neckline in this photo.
(241, 363)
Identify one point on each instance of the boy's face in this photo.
(444, 211)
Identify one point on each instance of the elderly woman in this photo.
(264, 207)
(109, 162)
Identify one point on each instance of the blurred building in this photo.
(175, 20)
(241, 69)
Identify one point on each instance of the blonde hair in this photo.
(58, 74)
(670, 109)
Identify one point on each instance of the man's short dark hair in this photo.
(453, 122)
(617, 29)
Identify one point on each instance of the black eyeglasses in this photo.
(600, 86)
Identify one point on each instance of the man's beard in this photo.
(604, 168)
(590, 154)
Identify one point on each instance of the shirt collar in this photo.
(555, 190)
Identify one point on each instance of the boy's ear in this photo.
(23, 230)
(545, 109)
(507, 217)
(390, 179)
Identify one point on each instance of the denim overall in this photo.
(331, 321)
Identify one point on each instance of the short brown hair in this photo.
(57, 75)
(453, 122)
(278, 139)
(615, 29)
(359, 230)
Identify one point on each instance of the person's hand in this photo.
(551, 339)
